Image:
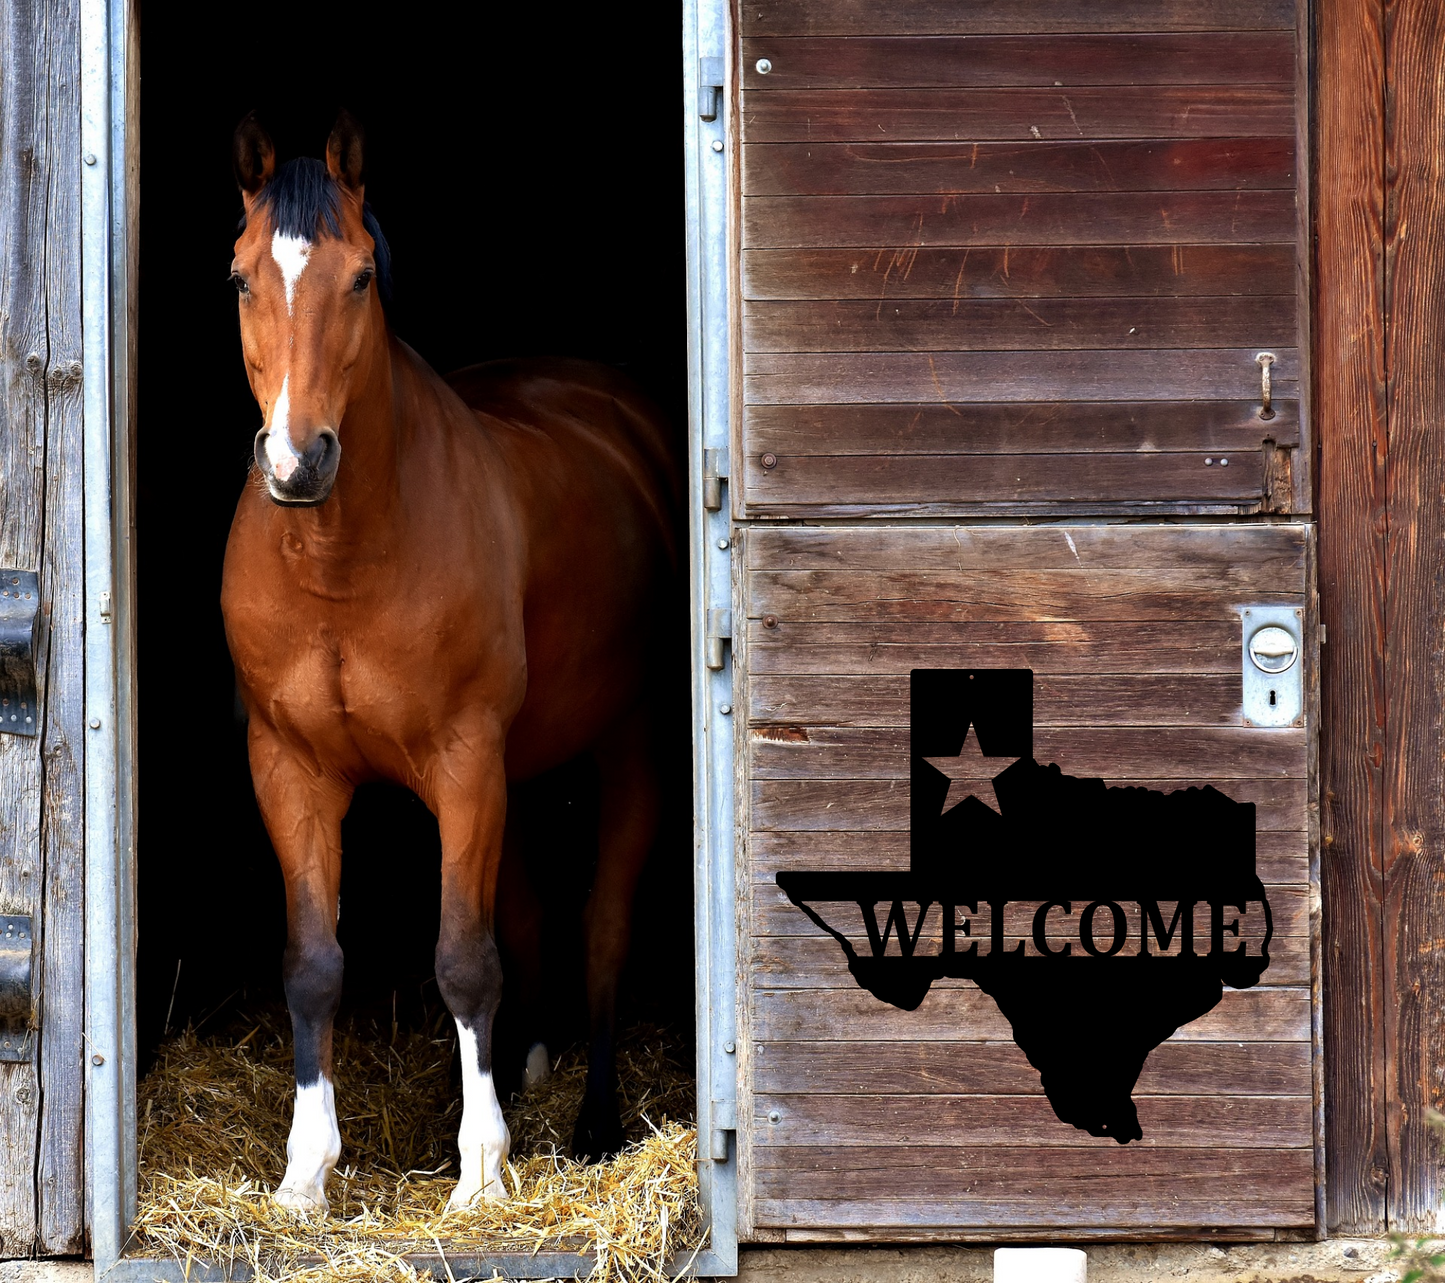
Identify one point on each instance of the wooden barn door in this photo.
(42, 879)
(1029, 275)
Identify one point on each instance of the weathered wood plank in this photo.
(985, 272)
(1069, 1180)
(1205, 1122)
(949, 62)
(798, 751)
(1120, 755)
(1099, 699)
(774, 915)
(1214, 428)
(1059, 646)
(816, 962)
(794, 595)
(941, 17)
(1225, 374)
(1276, 553)
(1008, 219)
(1079, 111)
(983, 1068)
(60, 1165)
(832, 1015)
(915, 1220)
(886, 168)
(1413, 800)
(1280, 856)
(1003, 325)
(25, 176)
(882, 805)
(1149, 647)
(1351, 399)
(1071, 481)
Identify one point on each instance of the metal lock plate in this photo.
(19, 622)
(1272, 665)
(17, 940)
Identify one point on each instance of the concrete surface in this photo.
(1333, 1261)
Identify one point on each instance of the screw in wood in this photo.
(770, 621)
(769, 460)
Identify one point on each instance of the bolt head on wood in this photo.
(769, 460)
(770, 621)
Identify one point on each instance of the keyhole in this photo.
(1271, 699)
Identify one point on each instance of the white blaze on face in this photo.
(483, 1138)
(312, 1148)
(291, 254)
(279, 450)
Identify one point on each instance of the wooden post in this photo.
(42, 1195)
(1350, 413)
(1413, 798)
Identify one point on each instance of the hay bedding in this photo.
(213, 1118)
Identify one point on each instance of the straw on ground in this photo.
(213, 1117)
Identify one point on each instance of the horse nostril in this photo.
(319, 453)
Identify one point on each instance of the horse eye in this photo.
(239, 281)
(362, 281)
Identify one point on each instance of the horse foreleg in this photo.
(519, 931)
(303, 815)
(469, 968)
(628, 824)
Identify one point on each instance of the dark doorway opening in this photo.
(526, 167)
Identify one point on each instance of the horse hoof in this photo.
(464, 1197)
(598, 1134)
(539, 1067)
(308, 1202)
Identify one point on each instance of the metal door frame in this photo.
(109, 73)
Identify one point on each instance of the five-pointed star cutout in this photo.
(966, 771)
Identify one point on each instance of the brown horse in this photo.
(441, 584)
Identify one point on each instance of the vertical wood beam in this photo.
(60, 1164)
(1414, 653)
(1350, 407)
(24, 362)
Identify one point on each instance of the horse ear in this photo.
(253, 155)
(344, 151)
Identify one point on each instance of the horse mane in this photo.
(303, 200)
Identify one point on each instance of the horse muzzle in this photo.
(308, 476)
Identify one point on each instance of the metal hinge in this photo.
(714, 473)
(19, 622)
(17, 940)
(724, 1121)
(709, 87)
(719, 630)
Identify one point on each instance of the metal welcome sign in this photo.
(1098, 919)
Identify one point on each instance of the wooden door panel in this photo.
(891, 1122)
(1084, 211)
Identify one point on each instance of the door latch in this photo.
(1273, 666)
(17, 941)
(19, 622)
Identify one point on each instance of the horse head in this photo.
(309, 268)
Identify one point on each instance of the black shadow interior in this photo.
(525, 164)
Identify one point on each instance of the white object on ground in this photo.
(1040, 1265)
